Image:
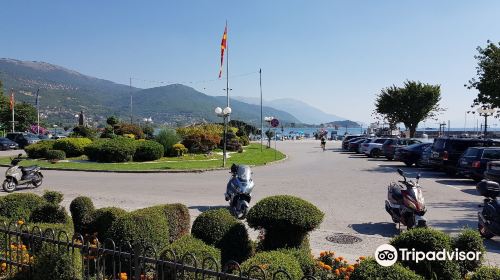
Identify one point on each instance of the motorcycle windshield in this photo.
(244, 173)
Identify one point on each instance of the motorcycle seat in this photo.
(29, 168)
(396, 192)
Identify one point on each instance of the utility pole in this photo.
(261, 113)
(131, 112)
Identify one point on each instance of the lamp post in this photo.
(486, 111)
(268, 120)
(224, 113)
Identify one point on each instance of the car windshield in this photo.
(472, 152)
(491, 154)
(438, 144)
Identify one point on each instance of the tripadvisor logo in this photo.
(387, 255)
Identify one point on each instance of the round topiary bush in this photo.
(286, 220)
(39, 150)
(304, 257)
(82, 212)
(73, 147)
(50, 213)
(219, 228)
(427, 240)
(179, 220)
(189, 244)
(111, 150)
(148, 150)
(53, 197)
(271, 262)
(469, 240)
(55, 155)
(104, 219)
(486, 273)
(19, 206)
(369, 269)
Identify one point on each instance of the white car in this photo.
(374, 147)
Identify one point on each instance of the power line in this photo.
(192, 82)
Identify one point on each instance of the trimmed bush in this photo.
(82, 212)
(39, 150)
(190, 244)
(270, 262)
(469, 240)
(148, 150)
(219, 228)
(83, 131)
(53, 197)
(286, 220)
(167, 138)
(369, 269)
(18, 206)
(73, 147)
(148, 226)
(50, 213)
(304, 257)
(426, 240)
(179, 149)
(57, 263)
(244, 140)
(179, 220)
(486, 273)
(55, 155)
(111, 150)
(127, 128)
(104, 219)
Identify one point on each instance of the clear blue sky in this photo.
(335, 55)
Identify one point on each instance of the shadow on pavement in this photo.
(467, 210)
(456, 182)
(203, 208)
(384, 229)
(470, 191)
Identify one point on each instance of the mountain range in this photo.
(64, 92)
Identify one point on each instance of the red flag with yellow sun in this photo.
(223, 46)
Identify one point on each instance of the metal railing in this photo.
(21, 249)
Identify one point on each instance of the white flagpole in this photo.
(37, 113)
(13, 107)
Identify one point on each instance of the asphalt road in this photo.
(350, 189)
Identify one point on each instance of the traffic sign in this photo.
(275, 123)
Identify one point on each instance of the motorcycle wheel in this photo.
(244, 212)
(37, 182)
(484, 232)
(9, 185)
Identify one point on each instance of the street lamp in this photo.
(486, 111)
(55, 130)
(268, 120)
(224, 113)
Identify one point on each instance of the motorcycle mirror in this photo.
(400, 172)
(418, 176)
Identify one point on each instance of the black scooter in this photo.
(489, 218)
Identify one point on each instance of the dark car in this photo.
(23, 139)
(389, 147)
(473, 162)
(354, 145)
(446, 151)
(424, 158)
(346, 140)
(6, 144)
(411, 154)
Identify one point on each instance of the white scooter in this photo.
(19, 175)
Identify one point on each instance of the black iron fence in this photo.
(27, 253)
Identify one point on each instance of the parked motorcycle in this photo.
(239, 190)
(18, 175)
(405, 202)
(489, 218)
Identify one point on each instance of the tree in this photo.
(410, 104)
(488, 72)
(112, 121)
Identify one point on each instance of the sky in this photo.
(334, 55)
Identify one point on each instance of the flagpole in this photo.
(37, 113)
(227, 72)
(261, 113)
(13, 106)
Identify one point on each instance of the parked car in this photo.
(492, 171)
(6, 144)
(345, 142)
(354, 145)
(446, 151)
(360, 148)
(424, 158)
(411, 154)
(374, 148)
(389, 147)
(23, 139)
(473, 162)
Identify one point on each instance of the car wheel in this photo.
(389, 158)
(375, 153)
(408, 163)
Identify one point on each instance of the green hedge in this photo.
(486, 273)
(286, 219)
(369, 269)
(304, 257)
(271, 262)
(219, 228)
(82, 212)
(50, 213)
(148, 151)
(55, 155)
(179, 220)
(469, 240)
(104, 219)
(39, 150)
(111, 150)
(53, 197)
(427, 240)
(189, 244)
(19, 205)
(57, 263)
(73, 147)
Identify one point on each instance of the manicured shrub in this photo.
(148, 150)
(53, 197)
(19, 206)
(369, 269)
(82, 212)
(200, 143)
(111, 150)
(39, 150)
(427, 240)
(244, 140)
(486, 273)
(83, 131)
(219, 228)
(167, 138)
(148, 226)
(73, 147)
(232, 142)
(304, 257)
(469, 240)
(179, 149)
(50, 213)
(286, 220)
(57, 263)
(270, 262)
(104, 219)
(179, 220)
(55, 155)
(127, 128)
(189, 244)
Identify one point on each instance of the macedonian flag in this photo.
(223, 46)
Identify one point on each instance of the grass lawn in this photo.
(252, 155)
